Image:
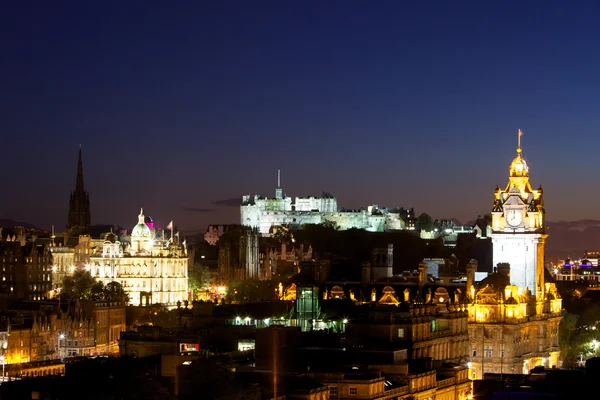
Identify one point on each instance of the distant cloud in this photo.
(199, 210)
(235, 202)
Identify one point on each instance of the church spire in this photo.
(79, 180)
(79, 202)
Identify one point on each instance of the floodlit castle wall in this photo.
(393, 222)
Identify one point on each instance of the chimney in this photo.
(422, 274)
(390, 255)
(504, 269)
(471, 269)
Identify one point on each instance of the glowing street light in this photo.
(60, 337)
(2, 358)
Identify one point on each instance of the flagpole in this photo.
(172, 227)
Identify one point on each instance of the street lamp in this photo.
(2, 358)
(60, 337)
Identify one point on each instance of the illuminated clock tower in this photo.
(518, 233)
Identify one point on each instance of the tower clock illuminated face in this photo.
(514, 217)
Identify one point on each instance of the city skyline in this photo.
(179, 110)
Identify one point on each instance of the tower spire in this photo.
(519, 141)
(79, 201)
(79, 180)
(279, 191)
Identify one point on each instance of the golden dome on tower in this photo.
(518, 167)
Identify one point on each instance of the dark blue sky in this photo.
(396, 103)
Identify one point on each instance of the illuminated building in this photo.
(518, 233)
(26, 268)
(76, 332)
(264, 213)
(514, 314)
(430, 323)
(582, 270)
(63, 261)
(151, 269)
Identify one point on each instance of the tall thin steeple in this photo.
(79, 202)
(79, 180)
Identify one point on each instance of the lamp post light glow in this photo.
(60, 337)
(2, 356)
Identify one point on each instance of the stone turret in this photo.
(471, 269)
(504, 269)
(422, 274)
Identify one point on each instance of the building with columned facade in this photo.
(152, 266)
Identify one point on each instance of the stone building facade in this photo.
(76, 333)
(151, 268)
(239, 256)
(510, 330)
(63, 263)
(25, 269)
(435, 327)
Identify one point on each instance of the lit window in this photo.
(400, 333)
(488, 351)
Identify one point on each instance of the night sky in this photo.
(183, 106)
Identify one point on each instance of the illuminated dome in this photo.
(141, 229)
(518, 167)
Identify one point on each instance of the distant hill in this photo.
(9, 223)
(570, 238)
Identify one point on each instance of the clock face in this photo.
(514, 217)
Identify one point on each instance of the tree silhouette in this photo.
(424, 223)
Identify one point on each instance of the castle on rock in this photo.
(264, 213)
